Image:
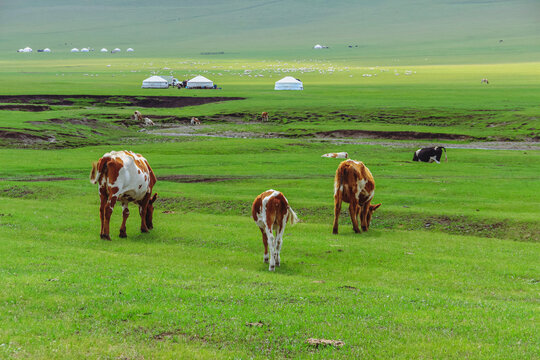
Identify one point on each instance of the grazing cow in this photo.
(354, 184)
(137, 116)
(484, 81)
(148, 122)
(126, 177)
(271, 211)
(339, 155)
(195, 121)
(430, 154)
(264, 116)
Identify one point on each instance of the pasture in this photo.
(448, 269)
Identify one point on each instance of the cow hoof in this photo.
(272, 268)
(144, 230)
(357, 231)
(364, 228)
(106, 237)
(123, 234)
(335, 232)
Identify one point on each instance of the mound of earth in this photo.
(25, 107)
(393, 135)
(102, 100)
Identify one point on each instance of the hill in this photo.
(448, 31)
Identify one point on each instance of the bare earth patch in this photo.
(323, 342)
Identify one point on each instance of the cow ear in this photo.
(153, 198)
(375, 207)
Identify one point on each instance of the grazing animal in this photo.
(484, 81)
(339, 155)
(125, 177)
(271, 211)
(430, 154)
(148, 122)
(264, 116)
(354, 184)
(137, 116)
(195, 121)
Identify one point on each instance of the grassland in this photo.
(449, 268)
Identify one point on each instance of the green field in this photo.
(448, 270)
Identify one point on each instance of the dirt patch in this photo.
(39, 179)
(82, 121)
(15, 192)
(23, 137)
(392, 135)
(199, 178)
(323, 342)
(115, 101)
(32, 108)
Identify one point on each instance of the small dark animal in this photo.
(430, 154)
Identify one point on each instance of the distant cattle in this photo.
(271, 211)
(148, 122)
(339, 155)
(484, 81)
(264, 116)
(195, 121)
(355, 185)
(430, 154)
(137, 116)
(125, 177)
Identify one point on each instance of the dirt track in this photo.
(139, 101)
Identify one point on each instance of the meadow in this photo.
(448, 269)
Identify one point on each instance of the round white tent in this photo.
(84, 50)
(318, 46)
(74, 50)
(155, 82)
(104, 50)
(129, 49)
(115, 50)
(199, 82)
(46, 50)
(27, 49)
(289, 83)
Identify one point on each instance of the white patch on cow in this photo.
(360, 188)
(417, 152)
(339, 155)
(434, 159)
(131, 181)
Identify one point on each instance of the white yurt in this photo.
(20, 50)
(129, 50)
(200, 82)
(318, 46)
(104, 50)
(155, 82)
(46, 50)
(289, 83)
(74, 50)
(84, 50)
(27, 49)
(115, 50)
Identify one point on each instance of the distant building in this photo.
(289, 83)
(155, 82)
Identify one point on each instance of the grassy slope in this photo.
(437, 30)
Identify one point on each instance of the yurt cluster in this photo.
(75, 50)
(201, 82)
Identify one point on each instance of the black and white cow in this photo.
(430, 154)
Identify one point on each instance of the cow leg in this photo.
(108, 212)
(125, 214)
(353, 212)
(265, 243)
(363, 216)
(143, 205)
(279, 239)
(103, 204)
(272, 248)
(337, 210)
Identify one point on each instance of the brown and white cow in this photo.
(338, 155)
(354, 184)
(264, 116)
(125, 177)
(137, 116)
(271, 211)
(195, 121)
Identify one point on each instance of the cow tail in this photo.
(445, 156)
(291, 216)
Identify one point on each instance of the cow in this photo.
(148, 122)
(430, 154)
(339, 155)
(354, 184)
(125, 177)
(264, 116)
(195, 121)
(137, 116)
(271, 211)
(484, 81)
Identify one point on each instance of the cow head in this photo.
(150, 211)
(371, 209)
